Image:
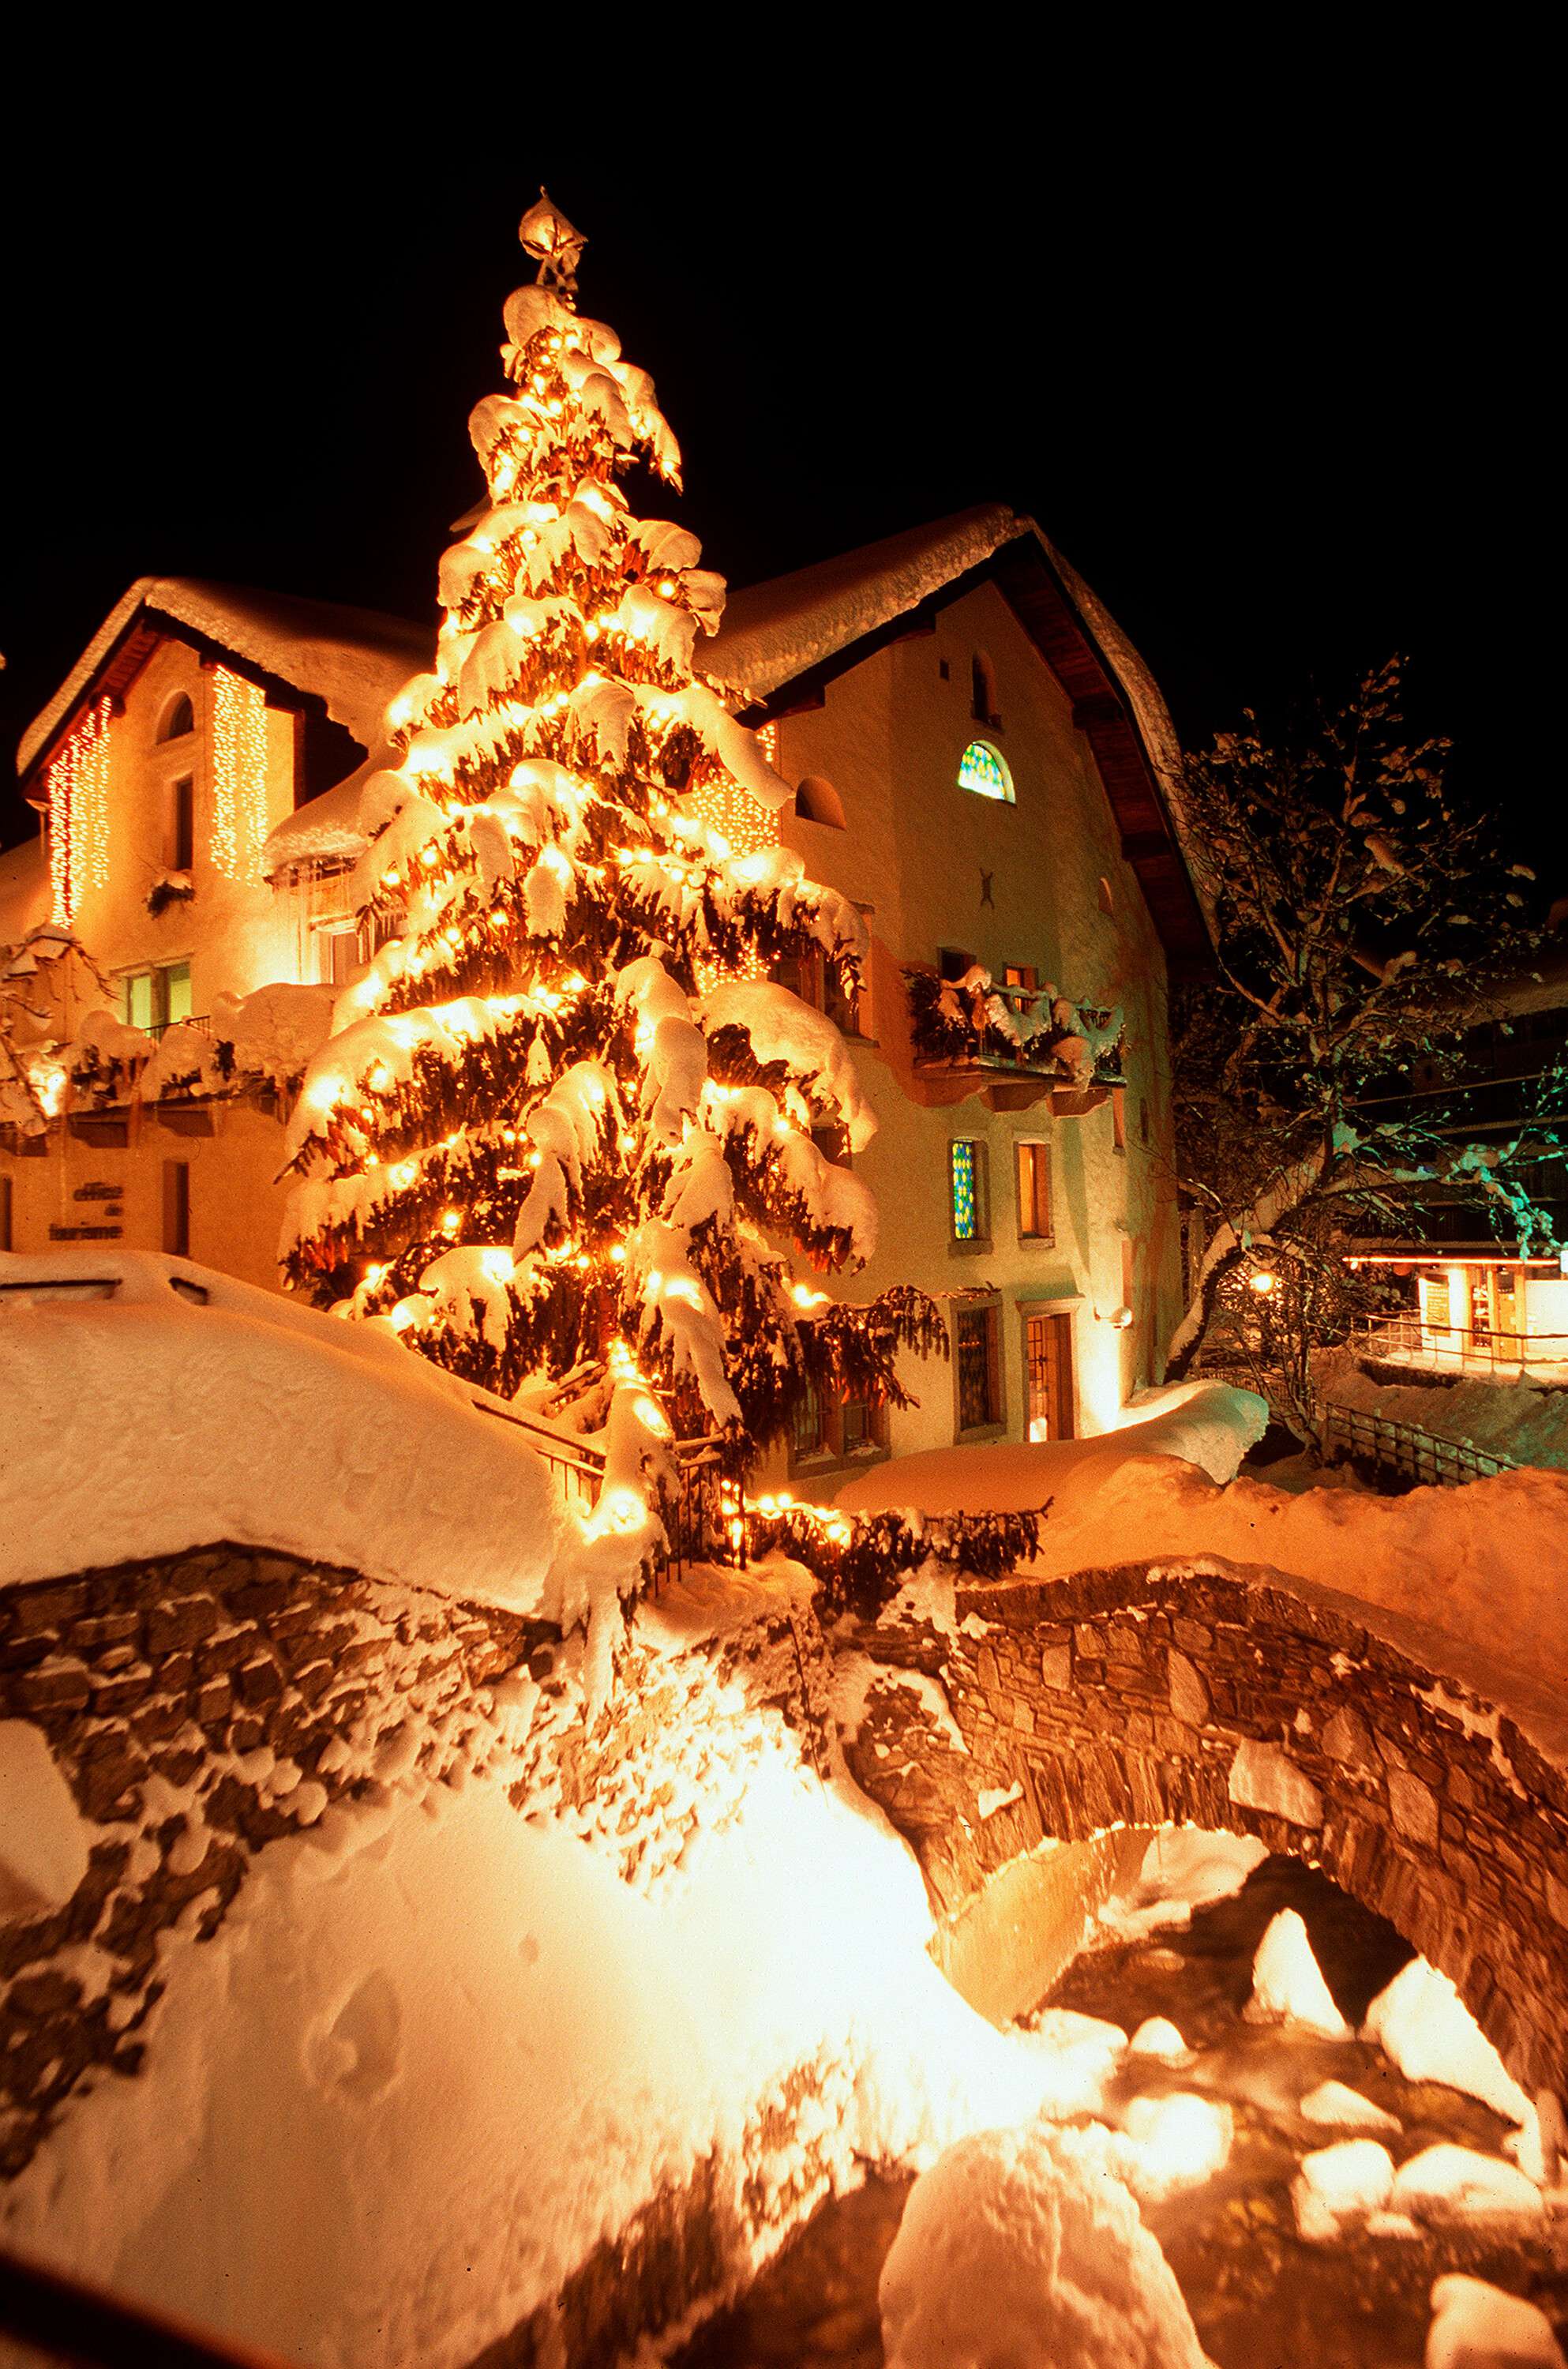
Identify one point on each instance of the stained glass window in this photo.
(966, 1193)
(981, 769)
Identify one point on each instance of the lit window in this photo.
(1118, 1118)
(154, 998)
(982, 770)
(979, 1397)
(836, 1429)
(807, 1424)
(1034, 1192)
(139, 1010)
(967, 1179)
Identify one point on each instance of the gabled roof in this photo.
(353, 660)
(780, 642)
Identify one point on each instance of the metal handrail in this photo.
(158, 1029)
(1458, 1345)
(66, 2319)
(1406, 1448)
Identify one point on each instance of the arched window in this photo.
(983, 703)
(984, 769)
(179, 718)
(815, 800)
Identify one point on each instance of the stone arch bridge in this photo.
(1349, 1737)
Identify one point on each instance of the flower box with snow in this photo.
(1013, 1046)
(169, 888)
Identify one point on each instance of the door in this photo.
(1048, 1368)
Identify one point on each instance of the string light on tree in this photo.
(78, 812)
(572, 1121)
(240, 776)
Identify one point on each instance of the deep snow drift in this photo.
(421, 2025)
(151, 1422)
(1481, 1562)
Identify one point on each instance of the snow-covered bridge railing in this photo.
(1421, 1456)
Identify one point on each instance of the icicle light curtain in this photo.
(78, 813)
(240, 776)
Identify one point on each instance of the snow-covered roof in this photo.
(354, 660)
(24, 889)
(773, 633)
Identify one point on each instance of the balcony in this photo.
(1013, 1047)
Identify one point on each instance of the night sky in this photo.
(1276, 383)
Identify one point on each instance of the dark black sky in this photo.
(1264, 348)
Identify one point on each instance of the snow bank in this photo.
(1019, 2251)
(44, 1839)
(1287, 1982)
(1456, 2183)
(1513, 1418)
(1479, 1562)
(1425, 2028)
(1476, 2325)
(148, 1423)
(1339, 2183)
(1334, 2107)
(1157, 2037)
(477, 2052)
(1183, 1868)
(1204, 1423)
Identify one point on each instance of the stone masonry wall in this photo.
(202, 1707)
(1140, 1696)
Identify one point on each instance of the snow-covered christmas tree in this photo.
(567, 1128)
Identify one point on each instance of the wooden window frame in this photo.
(1042, 1236)
(1069, 1306)
(988, 1312)
(831, 1455)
